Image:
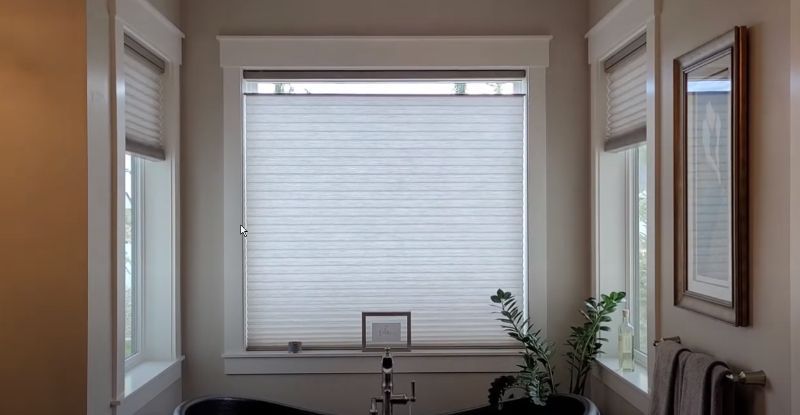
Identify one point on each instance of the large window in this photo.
(382, 195)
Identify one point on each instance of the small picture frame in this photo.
(711, 192)
(382, 329)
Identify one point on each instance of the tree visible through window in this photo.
(132, 255)
(638, 244)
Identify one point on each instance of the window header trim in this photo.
(632, 47)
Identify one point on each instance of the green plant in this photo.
(537, 373)
(586, 340)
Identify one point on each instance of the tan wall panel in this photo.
(43, 183)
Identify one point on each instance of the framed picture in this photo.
(711, 212)
(381, 329)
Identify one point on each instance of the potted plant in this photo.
(536, 378)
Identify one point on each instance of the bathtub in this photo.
(218, 405)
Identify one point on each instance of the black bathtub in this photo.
(558, 405)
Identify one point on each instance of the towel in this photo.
(664, 376)
(695, 384)
(722, 391)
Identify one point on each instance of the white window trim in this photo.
(626, 21)
(135, 385)
(237, 53)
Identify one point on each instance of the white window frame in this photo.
(624, 23)
(237, 53)
(158, 363)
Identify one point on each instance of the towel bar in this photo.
(757, 377)
(676, 339)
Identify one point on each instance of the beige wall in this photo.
(686, 24)
(599, 8)
(765, 345)
(568, 180)
(165, 402)
(171, 9)
(43, 182)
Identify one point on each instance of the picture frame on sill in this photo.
(382, 329)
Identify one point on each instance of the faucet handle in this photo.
(413, 391)
(373, 407)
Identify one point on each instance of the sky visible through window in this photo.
(130, 230)
(472, 87)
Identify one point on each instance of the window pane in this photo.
(370, 202)
(641, 254)
(132, 262)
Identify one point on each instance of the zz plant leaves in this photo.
(536, 376)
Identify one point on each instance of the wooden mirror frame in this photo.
(737, 311)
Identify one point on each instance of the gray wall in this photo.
(165, 402)
(599, 8)
(171, 9)
(687, 24)
(201, 173)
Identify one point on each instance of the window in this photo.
(623, 77)
(146, 337)
(381, 195)
(621, 210)
(143, 334)
(133, 258)
(637, 248)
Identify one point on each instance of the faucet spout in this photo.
(387, 366)
(388, 399)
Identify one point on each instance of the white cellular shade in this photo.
(381, 203)
(143, 106)
(627, 107)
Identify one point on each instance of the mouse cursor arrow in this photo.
(242, 231)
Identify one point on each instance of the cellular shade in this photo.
(381, 203)
(626, 75)
(144, 105)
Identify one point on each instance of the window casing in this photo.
(614, 214)
(382, 166)
(237, 54)
(621, 184)
(146, 114)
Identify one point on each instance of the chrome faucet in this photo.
(388, 399)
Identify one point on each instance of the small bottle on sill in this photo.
(625, 343)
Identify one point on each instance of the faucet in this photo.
(388, 399)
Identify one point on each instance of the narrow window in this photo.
(626, 132)
(637, 253)
(133, 258)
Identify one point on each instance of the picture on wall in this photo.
(711, 217)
